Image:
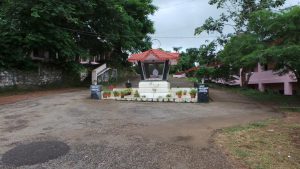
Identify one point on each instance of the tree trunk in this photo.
(295, 73)
(245, 77)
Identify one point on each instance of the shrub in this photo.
(127, 92)
(193, 92)
(136, 94)
(179, 93)
(116, 93)
(123, 93)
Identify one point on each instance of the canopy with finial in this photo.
(154, 64)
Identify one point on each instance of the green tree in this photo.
(73, 28)
(237, 15)
(207, 54)
(242, 49)
(279, 32)
(273, 37)
(241, 53)
(177, 49)
(205, 72)
(187, 59)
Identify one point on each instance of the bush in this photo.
(116, 93)
(193, 92)
(136, 94)
(179, 93)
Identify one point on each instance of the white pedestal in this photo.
(154, 89)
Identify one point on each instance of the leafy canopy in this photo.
(73, 28)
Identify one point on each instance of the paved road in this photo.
(126, 135)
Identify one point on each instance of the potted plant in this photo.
(193, 93)
(116, 93)
(106, 94)
(179, 93)
(128, 92)
(123, 93)
(136, 94)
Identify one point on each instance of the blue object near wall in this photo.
(96, 92)
(203, 93)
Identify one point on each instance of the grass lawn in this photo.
(290, 103)
(270, 144)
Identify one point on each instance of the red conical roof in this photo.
(159, 54)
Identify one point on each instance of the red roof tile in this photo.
(160, 55)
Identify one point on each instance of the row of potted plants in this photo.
(128, 92)
(141, 99)
(122, 93)
(192, 93)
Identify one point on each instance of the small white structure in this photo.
(154, 89)
(154, 68)
(183, 75)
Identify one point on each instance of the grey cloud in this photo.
(179, 18)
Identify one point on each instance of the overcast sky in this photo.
(176, 20)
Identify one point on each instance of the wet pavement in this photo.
(120, 135)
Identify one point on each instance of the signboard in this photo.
(95, 88)
(95, 92)
(203, 93)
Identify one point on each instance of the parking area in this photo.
(126, 135)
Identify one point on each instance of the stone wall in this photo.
(43, 76)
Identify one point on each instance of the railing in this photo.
(96, 72)
(104, 74)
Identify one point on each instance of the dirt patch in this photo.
(34, 153)
(16, 125)
(31, 95)
(183, 138)
(11, 117)
(48, 128)
(3, 139)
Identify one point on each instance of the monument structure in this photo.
(154, 66)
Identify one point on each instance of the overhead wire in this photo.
(129, 36)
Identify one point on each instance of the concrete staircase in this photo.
(103, 73)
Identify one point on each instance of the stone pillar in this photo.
(241, 77)
(261, 87)
(259, 68)
(288, 88)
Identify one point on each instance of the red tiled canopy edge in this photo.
(160, 55)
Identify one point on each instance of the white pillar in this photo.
(288, 88)
(261, 87)
(259, 68)
(241, 77)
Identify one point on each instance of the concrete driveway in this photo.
(126, 135)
